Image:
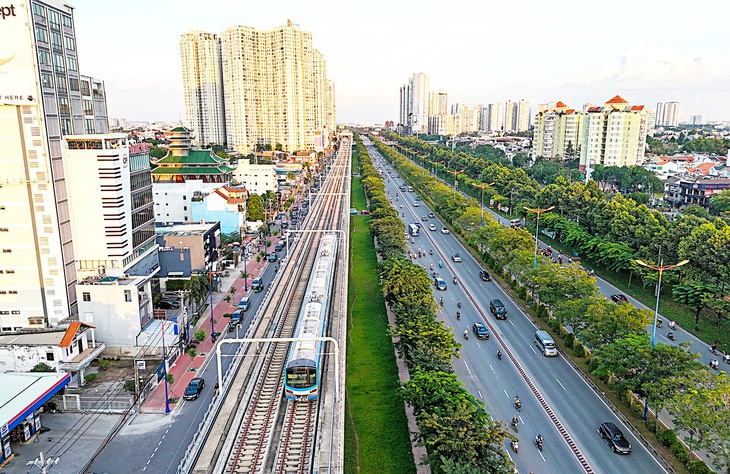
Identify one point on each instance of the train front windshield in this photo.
(301, 377)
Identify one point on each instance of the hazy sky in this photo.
(576, 51)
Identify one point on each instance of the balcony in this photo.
(84, 359)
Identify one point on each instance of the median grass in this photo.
(357, 197)
(376, 431)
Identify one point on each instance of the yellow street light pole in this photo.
(537, 228)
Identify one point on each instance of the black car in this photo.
(497, 308)
(618, 298)
(614, 438)
(484, 275)
(480, 331)
(168, 304)
(192, 391)
(431, 215)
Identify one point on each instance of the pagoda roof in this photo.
(201, 157)
(180, 129)
(191, 170)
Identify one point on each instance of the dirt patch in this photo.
(114, 376)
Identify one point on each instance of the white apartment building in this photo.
(274, 88)
(523, 115)
(490, 119)
(203, 87)
(43, 97)
(613, 135)
(438, 109)
(419, 88)
(257, 179)
(557, 132)
(404, 111)
(668, 114)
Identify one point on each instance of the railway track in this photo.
(267, 413)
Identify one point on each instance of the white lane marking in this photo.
(533, 349)
(513, 324)
(543, 457)
(494, 371)
(480, 393)
(505, 393)
(467, 367)
(561, 384)
(521, 420)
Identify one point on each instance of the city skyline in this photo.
(589, 56)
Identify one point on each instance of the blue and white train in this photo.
(304, 361)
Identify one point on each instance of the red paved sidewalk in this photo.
(182, 371)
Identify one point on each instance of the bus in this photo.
(413, 229)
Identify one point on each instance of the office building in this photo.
(249, 88)
(698, 119)
(44, 96)
(491, 116)
(405, 105)
(203, 87)
(613, 135)
(668, 114)
(557, 132)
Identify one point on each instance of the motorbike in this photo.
(515, 446)
(440, 264)
(466, 334)
(538, 442)
(454, 280)
(518, 405)
(458, 303)
(430, 252)
(499, 354)
(672, 325)
(726, 358)
(458, 315)
(441, 301)
(670, 336)
(514, 426)
(432, 266)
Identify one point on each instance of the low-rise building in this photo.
(188, 248)
(226, 205)
(256, 178)
(67, 350)
(683, 192)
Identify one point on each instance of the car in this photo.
(284, 225)
(418, 198)
(497, 308)
(456, 257)
(614, 438)
(424, 218)
(192, 391)
(237, 314)
(272, 257)
(415, 204)
(432, 227)
(168, 304)
(440, 284)
(444, 230)
(279, 247)
(480, 331)
(619, 298)
(484, 275)
(431, 215)
(244, 304)
(258, 285)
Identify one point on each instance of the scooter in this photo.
(466, 334)
(458, 315)
(538, 442)
(518, 405)
(441, 302)
(670, 336)
(499, 354)
(458, 303)
(515, 446)
(455, 281)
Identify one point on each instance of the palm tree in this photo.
(198, 288)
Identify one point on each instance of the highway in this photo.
(559, 389)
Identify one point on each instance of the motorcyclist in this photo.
(454, 280)
(671, 335)
(672, 325)
(499, 354)
(518, 403)
(466, 334)
(458, 303)
(515, 421)
(538, 441)
(714, 364)
(440, 264)
(458, 315)
(430, 252)
(441, 301)
(432, 266)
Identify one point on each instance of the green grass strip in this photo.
(376, 430)
(357, 198)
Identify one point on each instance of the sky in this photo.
(478, 52)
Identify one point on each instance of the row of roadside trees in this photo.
(612, 336)
(460, 437)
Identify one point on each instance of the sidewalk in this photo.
(181, 370)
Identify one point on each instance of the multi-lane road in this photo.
(556, 400)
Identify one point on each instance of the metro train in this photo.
(302, 373)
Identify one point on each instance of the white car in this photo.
(415, 204)
(432, 227)
(444, 230)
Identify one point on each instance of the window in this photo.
(9, 272)
(7, 251)
(85, 88)
(69, 43)
(61, 84)
(71, 63)
(49, 356)
(56, 41)
(88, 107)
(63, 105)
(89, 126)
(73, 84)
(44, 57)
(39, 10)
(66, 126)
(54, 20)
(47, 80)
(40, 34)
(128, 296)
(66, 20)
(86, 296)
(59, 63)
(15, 311)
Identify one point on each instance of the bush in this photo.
(226, 315)
(651, 423)
(666, 437)
(695, 466)
(104, 364)
(200, 335)
(542, 311)
(192, 352)
(129, 385)
(521, 293)
(174, 285)
(513, 284)
(170, 379)
(555, 325)
(569, 339)
(579, 350)
(42, 367)
(680, 452)
(90, 377)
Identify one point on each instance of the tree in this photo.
(720, 202)
(42, 367)
(694, 294)
(255, 208)
(157, 153)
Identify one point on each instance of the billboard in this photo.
(18, 79)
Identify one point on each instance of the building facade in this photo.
(557, 132)
(44, 96)
(203, 87)
(668, 114)
(256, 178)
(613, 135)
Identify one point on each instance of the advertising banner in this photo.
(18, 80)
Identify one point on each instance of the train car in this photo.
(302, 373)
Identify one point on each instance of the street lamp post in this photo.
(164, 369)
(482, 186)
(537, 228)
(212, 321)
(455, 173)
(436, 167)
(660, 268)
